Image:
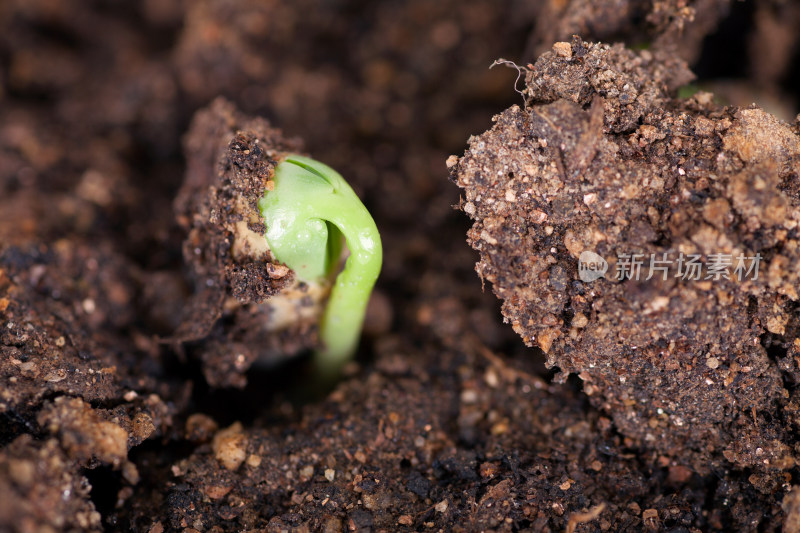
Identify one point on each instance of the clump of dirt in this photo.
(678, 26)
(231, 163)
(605, 160)
(42, 491)
(71, 380)
(64, 309)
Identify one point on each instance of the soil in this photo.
(606, 162)
(145, 386)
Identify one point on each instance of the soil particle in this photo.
(229, 447)
(200, 428)
(83, 431)
(619, 166)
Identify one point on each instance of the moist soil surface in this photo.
(145, 386)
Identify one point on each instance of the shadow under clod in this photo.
(270, 392)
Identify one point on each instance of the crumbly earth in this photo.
(67, 380)
(455, 441)
(675, 25)
(231, 160)
(96, 99)
(605, 160)
(42, 491)
(62, 310)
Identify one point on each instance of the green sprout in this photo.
(309, 213)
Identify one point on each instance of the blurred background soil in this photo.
(450, 422)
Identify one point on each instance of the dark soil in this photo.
(145, 385)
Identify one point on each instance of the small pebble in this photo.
(563, 49)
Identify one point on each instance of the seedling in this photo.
(310, 212)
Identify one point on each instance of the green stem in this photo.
(309, 210)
